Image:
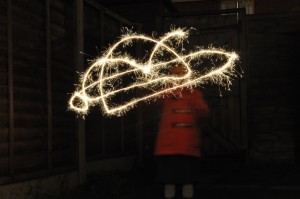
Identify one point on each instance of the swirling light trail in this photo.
(109, 69)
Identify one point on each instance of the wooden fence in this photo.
(42, 47)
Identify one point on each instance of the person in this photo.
(177, 147)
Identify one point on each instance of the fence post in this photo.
(79, 62)
(10, 89)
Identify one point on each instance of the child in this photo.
(177, 147)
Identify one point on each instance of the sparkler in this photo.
(106, 77)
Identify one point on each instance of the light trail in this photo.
(103, 79)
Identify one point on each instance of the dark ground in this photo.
(217, 181)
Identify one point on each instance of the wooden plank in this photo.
(35, 94)
(63, 143)
(210, 12)
(3, 134)
(63, 158)
(139, 114)
(62, 85)
(58, 44)
(4, 149)
(27, 81)
(61, 104)
(60, 63)
(214, 28)
(3, 78)
(4, 166)
(31, 106)
(57, 6)
(62, 131)
(103, 132)
(57, 31)
(28, 65)
(4, 92)
(4, 105)
(218, 138)
(61, 120)
(57, 17)
(94, 4)
(30, 162)
(10, 88)
(80, 67)
(24, 11)
(122, 142)
(27, 121)
(22, 33)
(32, 174)
(243, 80)
(30, 146)
(49, 83)
(29, 133)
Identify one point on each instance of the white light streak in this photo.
(105, 78)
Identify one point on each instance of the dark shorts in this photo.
(177, 169)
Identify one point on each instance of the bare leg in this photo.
(188, 191)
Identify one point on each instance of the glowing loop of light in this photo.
(107, 70)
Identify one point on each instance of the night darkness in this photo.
(250, 143)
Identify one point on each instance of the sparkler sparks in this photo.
(117, 72)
